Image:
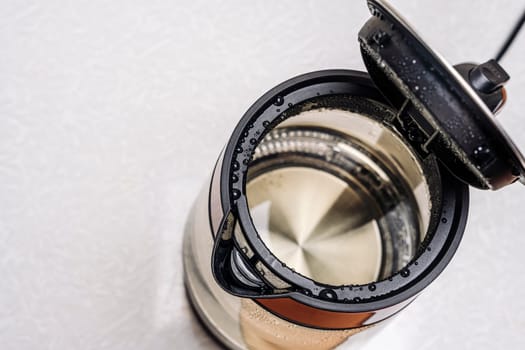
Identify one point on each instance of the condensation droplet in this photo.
(236, 194)
(328, 294)
(279, 101)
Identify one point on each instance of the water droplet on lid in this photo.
(405, 273)
(234, 178)
(238, 149)
(266, 123)
(444, 220)
(235, 165)
(482, 154)
(380, 38)
(290, 104)
(372, 287)
(253, 141)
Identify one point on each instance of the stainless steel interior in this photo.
(345, 203)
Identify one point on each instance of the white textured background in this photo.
(112, 114)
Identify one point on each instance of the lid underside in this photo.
(438, 110)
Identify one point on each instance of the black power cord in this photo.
(510, 38)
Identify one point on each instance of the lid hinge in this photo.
(417, 130)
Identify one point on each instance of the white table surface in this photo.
(112, 114)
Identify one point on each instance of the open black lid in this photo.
(442, 110)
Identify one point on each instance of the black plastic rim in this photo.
(265, 114)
